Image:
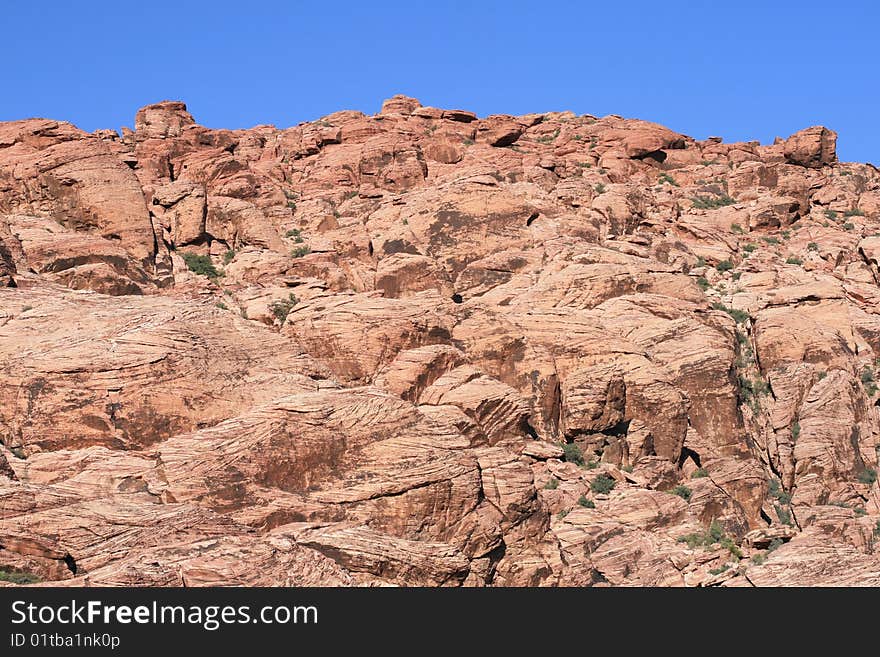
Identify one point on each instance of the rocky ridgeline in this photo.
(427, 348)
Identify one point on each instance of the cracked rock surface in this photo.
(428, 348)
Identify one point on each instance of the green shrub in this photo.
(877, 529)
(719, 570)
(783, 514)
(793, 260)
(868, 381)
(587, 504)
(228, 256)
(666, 178)
(868, 476)
(860, 511)
(812, 246)
(703, 283)
(736, 228)
(712, 202)
(776, 491)
(199, 264)
(300, 251)
(831, 214)
(751, 391)
(573, 453)
(759, 559)
(600, 188)
(683, 492)
(848, 226)
(562, 514)
(795, 431)
(281, 308)
(724, 265)
(18, 577)
(775, 544)
(295, 234)
(627, 468)
(740, 316)
(715, 534)
(221, 305)
(552, 484)
(748, 248)
(468, 142)
(771, 240)
(700, 473)
(602, 484)
(855, 212)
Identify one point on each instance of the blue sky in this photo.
(741, 70)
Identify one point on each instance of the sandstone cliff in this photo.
(423, 347)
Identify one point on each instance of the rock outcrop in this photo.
(428, 348)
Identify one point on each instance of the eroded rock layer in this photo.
(423, 347)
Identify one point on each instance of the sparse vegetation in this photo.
(18, 577)
(221, 305)
(712, 202)
(775, 490)
(751, 391)
(602, 484)
(771, 240)
(793, 260)
(783, 514)
(724, 265)
(795, 431)
(700, 473)
(759, 559)
(573, 453)
(228, 256)
(300, 251)
(281, 308)
(737, 229)
(868, 476)
(666, 178)
(546, 139)
(683, 492)
(748, 248)
(295, 234)
(720, 569)
(775, 544)
(600, 188)
(715, 534)
(562, 514)
(552, 484)
(200, 264)
(812, 246)
(854, 212)
(740, 316)
(831, 215)
(703, 283)
(587, 504)
(468, 142)
(868, 381)
(848, 226)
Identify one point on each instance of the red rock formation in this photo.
(427, 348)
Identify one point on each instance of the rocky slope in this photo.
(427, 348)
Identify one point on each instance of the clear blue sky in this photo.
(741, 70)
